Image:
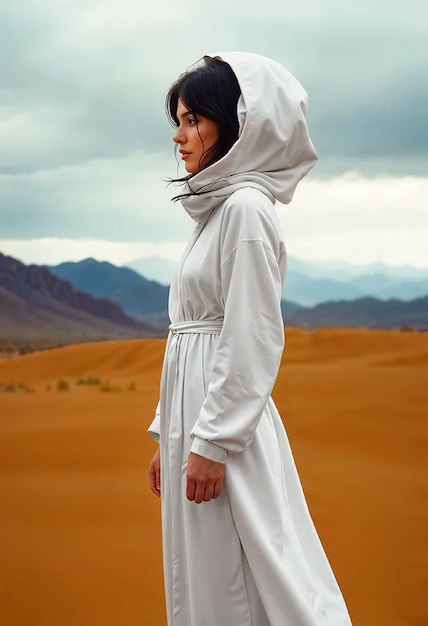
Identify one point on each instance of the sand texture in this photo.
(80, 530)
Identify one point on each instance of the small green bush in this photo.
(62, 385)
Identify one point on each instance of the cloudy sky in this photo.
(85, 146)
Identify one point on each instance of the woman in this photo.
(240, 548)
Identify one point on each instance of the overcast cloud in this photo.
(84, 144)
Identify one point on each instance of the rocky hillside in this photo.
(36, 303)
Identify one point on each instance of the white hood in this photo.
(274, 150)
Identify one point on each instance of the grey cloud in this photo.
(82, 87)
(122, 199)
(82, 96)
(363, 66)
(365, 71)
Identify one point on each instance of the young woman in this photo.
(240, 548)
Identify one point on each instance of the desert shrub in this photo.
(107, 386)
(7, 388)
(89, 380)
(62, 385)
(14, 388)
(27, 349)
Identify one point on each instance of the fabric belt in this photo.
(199, 328)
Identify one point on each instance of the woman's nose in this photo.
(178, 136)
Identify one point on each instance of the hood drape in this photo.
(273, 151)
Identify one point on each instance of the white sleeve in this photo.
(248, 354)
(154, 428)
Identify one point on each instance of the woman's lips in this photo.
(184, 155)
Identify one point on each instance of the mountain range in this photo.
(309, 283)
(36, 304)
(364, 312)
(90, 300)
(148, 300)
(139, 297)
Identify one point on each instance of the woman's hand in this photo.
(155, 473)
(204, 478)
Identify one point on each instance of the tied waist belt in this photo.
(198, 328)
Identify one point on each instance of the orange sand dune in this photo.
(81, 530)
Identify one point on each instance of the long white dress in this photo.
(251, 557)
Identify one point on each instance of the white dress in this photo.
(251, 557)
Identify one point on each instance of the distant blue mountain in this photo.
(309, 283)
(308, 291)
(155, 268)
(138, 296)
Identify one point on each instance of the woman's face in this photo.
(194, 136)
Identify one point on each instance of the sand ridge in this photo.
(82, 530)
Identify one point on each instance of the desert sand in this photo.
(80, 529)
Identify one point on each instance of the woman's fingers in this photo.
(199, 493)
(152, 480)
(190, 489)
(217, 488)
(155, 474)
(204, 479)
(209, 493)
(158, 474)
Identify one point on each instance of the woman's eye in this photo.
(191, 121)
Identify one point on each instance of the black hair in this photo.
(212, 91)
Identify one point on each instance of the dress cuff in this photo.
(209, 450)
(154, 428)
